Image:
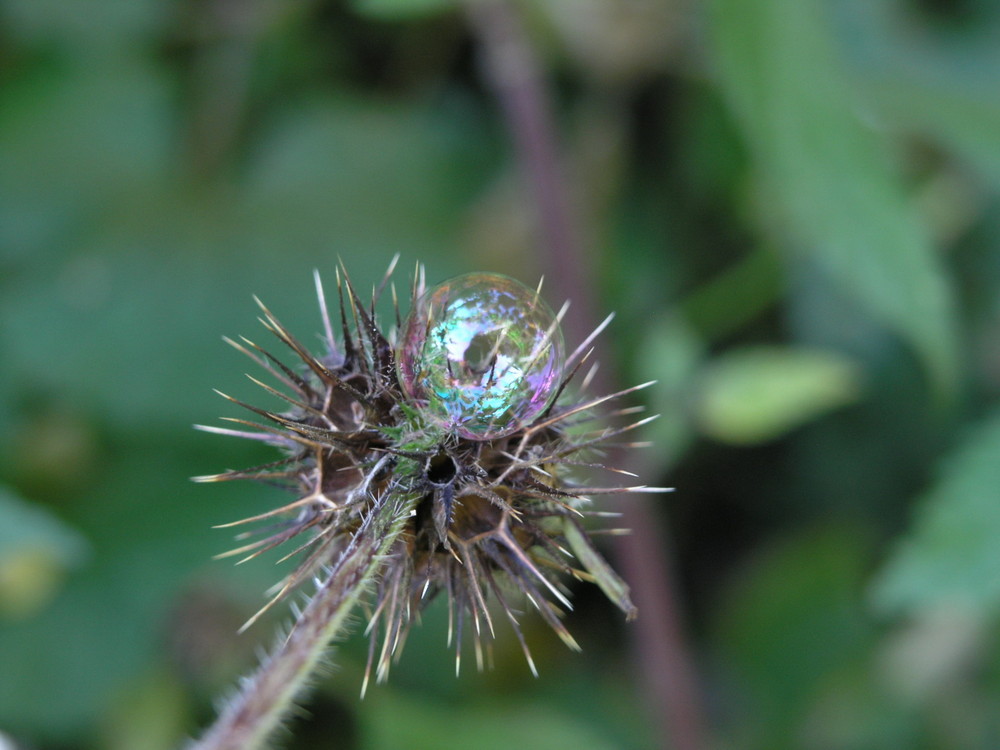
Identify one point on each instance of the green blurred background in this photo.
(791, 204)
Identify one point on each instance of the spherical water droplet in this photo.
(480, 355)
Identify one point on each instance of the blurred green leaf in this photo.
(966, 119)
(349, 177)
(933, 652)
(83, 24)
(150, 532)
(338, 178)
(150, 715)
(395, 10)
(853, 711)
(922, 75)
(36, 548)
(727, 302)
(951, 555)
(398, 720)
(91, 140)
(792, 620)
(670, 353)
(836, 193)
(756, 394)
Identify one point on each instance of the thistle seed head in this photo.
(467, 404)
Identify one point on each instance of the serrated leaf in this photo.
(835, 193)
(757, 394)
(951, 555)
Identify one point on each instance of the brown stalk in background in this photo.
(661, 654)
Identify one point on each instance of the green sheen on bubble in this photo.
(480, 355)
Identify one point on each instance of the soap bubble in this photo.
(480, 355)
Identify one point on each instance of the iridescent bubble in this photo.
(481, 355)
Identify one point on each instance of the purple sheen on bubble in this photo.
(480, 355)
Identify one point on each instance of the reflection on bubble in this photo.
(480, 355)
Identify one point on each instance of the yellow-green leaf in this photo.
(757, 394)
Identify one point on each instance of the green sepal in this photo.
(610, 582)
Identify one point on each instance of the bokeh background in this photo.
(794, 208)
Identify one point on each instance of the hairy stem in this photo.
(267, 697)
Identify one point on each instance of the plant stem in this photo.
(516, 78)
(268, 696)
(667, 669)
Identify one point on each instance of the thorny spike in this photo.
(245, 434)
(314, 364)
(286, 376)
(418, 283)
(261, 473)
(515, 549)
(284, 373)
(293, 401)
(586, 406)
(268, 514)
(380, 357)
(478, 601)
(305, 545)
(352, 300)
(385, 279)
(589, 377)
(515, 625)
(345, 330)
(560, 389)
(602, 437)
(585, 344)
(286, 436)
(269, 362)
(324, 311)
(322, 436)
(395, 308)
